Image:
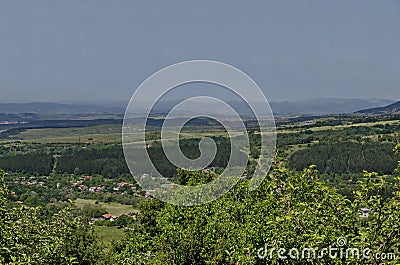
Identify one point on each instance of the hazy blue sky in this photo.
(102, 50)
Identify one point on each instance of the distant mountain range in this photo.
(390, 109)
(49, 108)
(318, 106)
(326, 106)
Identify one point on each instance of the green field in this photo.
(90, 134)
(94, 138)
(106, 133)
(109, 234)
(336, 127)
(113, 208)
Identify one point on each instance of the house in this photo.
(209, 170)
(148, 193)
(364, 213)
(106, 216)
(85, 178)
(95, 219)
(114, 217)
(109, 217)
(121, 184)
(308, 123)
(133, 215)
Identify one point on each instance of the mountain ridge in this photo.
(393, 108)
(316, 106)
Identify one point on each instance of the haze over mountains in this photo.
(318, 106)
(390, 109)
(57, 108)
(326, 106)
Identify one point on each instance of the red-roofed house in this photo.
(107, 216)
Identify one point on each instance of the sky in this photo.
(97, 50)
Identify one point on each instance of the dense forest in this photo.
(30, 163)
(107, 160)
(346, 157)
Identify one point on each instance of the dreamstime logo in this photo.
(137, 117)
(340, 250)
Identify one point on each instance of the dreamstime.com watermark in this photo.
(339, 251)
(138, 115)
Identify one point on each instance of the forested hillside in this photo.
(289, 210)
(346, 157)
(107, 160)
(30, 163)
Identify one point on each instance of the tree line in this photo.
(346, 157)
(106, 160)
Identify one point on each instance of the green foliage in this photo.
(342, 157)
(26, 238)
(108, 161)
(381, 230)
(190, 149)
(194, 178)
(32, 163)
(290, 210)
(88, 212)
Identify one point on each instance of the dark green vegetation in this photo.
(28, 163)
(104, 159)
(292, 208)
(346, 157)
(289, 210)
